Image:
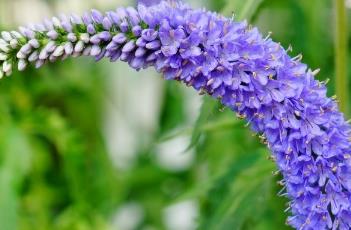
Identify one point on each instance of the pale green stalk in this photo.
(341, 55)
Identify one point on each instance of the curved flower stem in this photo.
(341, 55)
(232, 62)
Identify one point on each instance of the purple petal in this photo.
(97, 16)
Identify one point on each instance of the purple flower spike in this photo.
(122, 14)
(67, 26)
(107, 24)
(140, 42)
(95, 39)
(71, 37)
(68, 48)
(128, 47)
(124, 26)
(154, 45)
(91, 29)
(133, 16)
(104, 36)
(252, 75)
(140, 52)
(137, 30)
(149, 35)
(97, 16)
(75, 19)
(113, 16)
(34, 43)
(95, 50)
(52, 34)
(87, 19)
(149, 2)
(170, 38)
(119, 38)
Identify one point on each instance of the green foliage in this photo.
(241, 9)
(56, 171)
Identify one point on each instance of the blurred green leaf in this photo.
(13, 168)
(208, 105)
(241, 9)
(233, 197)
(210, 126)
(173, 111)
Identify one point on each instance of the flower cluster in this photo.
(231, 61)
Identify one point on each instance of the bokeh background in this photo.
(87, 145)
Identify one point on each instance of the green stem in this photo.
(341, 52)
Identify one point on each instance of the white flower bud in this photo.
(43, 54)
(75, 19)
(58, 51)
(2, 41)
(48, 24)
(34, 43)
(72, 37)
(50, 47)
(95, 50)
(14, 43)
(52, 34)
(79, 47)
(22, 64)
(87, 50)
(20, 55)
(39, 63)
(34, 56)
(8, 73)
(1, 74)
(56, 22)
(68, 48)
(16, 35)
(52, 58)
(6, 67)
(4, 47)
(6, 36)
(3, 57)
(27, 32)
(39, 27)
(85, 38)
(26, 49)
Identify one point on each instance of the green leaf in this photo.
(8, 202)
(234, 196)
(216, 184)
(207, 108)
(14, 166)
(241, 9)
(212, 126)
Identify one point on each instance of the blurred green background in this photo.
(87, 145)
